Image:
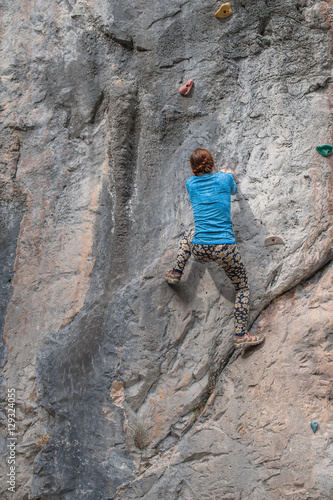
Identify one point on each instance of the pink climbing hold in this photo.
(185, 89)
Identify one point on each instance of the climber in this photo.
(213, 239)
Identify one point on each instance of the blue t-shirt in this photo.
(211, 204)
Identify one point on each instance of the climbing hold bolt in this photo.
(314, 425)
(224, 10)
(325, 149)
(185, 89)
(273, 240)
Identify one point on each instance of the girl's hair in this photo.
(201, 161)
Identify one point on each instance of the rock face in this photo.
(253, 439)
(125, 387)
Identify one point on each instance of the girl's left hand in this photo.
(227, 171)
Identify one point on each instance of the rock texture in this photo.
(127, 388)
(253, 439)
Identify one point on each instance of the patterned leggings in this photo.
(228, 257)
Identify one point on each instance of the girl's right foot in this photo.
(173, 278)
(247, 340)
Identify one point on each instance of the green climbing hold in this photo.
(325, 149)
(314, 425)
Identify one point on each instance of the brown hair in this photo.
(201, 161)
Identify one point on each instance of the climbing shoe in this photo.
(173, 278)
(247, 340)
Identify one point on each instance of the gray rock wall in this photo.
(127, 388)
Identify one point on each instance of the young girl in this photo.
(213, 239)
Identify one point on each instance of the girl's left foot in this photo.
(247, 340)
(173, 278)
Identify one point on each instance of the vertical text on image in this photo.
(11, 439)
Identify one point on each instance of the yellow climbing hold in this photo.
(224, 10)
